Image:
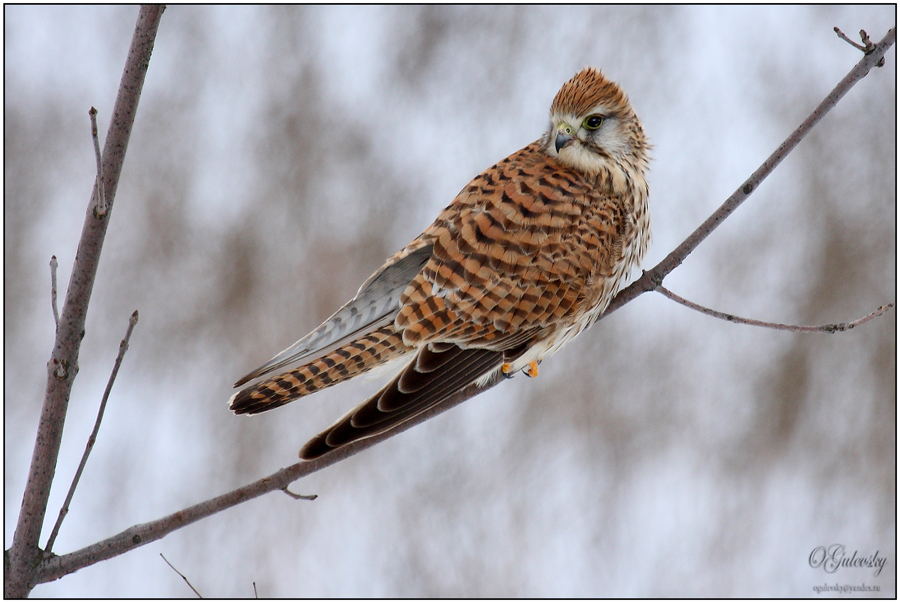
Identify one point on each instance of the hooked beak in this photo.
(563, 136)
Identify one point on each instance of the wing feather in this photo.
(438, 372)
(374, 306)
(369, 419)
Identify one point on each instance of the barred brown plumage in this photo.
(524, 258)
(346, 362)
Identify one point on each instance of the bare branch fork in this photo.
(24, 558)
(866, 47)
(652, 280)
(55, 567)
(123, 347)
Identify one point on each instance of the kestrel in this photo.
(526, 256)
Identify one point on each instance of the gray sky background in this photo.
(280, 154)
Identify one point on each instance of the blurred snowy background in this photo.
(280, 154)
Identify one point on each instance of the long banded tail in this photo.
(346, 362)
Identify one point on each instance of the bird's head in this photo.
(592, 125)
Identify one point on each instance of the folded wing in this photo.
(439, 371)
(375, 306)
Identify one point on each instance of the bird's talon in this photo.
(532, 370)
(506, 367)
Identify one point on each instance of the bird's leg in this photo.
(505, 368)
(532, 370)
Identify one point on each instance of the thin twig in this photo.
(53, 265)
(141, 534)
(844, 37)
(865, 40)
(299, 496)
(123, 347)
(830, 328)
(867, 46)
(183, 577)
(60, 370)
(101, 194)
(255, 594)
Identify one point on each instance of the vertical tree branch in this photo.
(24, 554)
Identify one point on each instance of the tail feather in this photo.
(346, 362)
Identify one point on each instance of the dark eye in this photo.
(593, 122)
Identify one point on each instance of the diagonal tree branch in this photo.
(56, 567)
(24, 554)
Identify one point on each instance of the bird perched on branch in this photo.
(526, 256)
